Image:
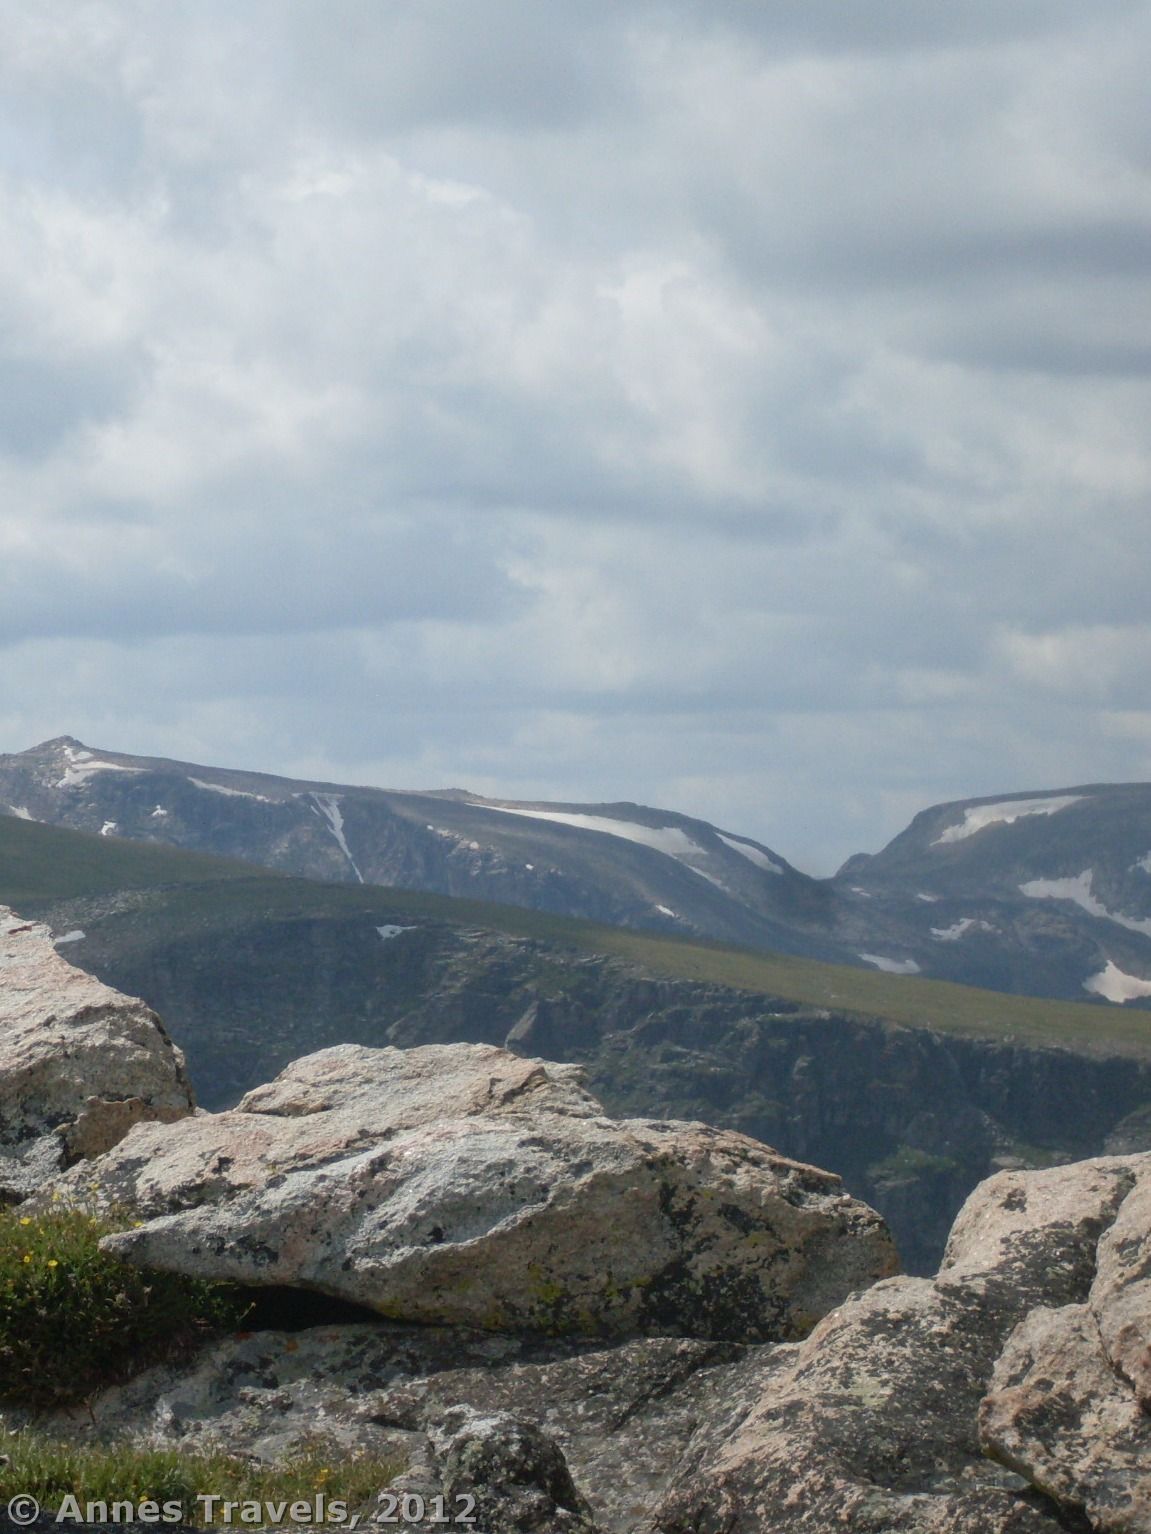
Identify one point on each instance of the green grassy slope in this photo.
(42, 866)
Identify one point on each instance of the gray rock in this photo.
(869, 1425)
(79, 1062)
(462, 1185)
(513, 1476)
(873, 1422)
(621, 1416)
(1030, 1237)
(1121, 1292)
(1058, 1414)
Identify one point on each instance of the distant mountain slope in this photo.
(1043, 892)
(624, 864)
(913, 1090)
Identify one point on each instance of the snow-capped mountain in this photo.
(623, 864)
(1048, 893)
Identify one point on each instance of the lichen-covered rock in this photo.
(459, 1184)
(79, 1062)
(1030, 1237)
(1121, 1293)
(869, 1425)
(1057, 1413)
(873, 1423)
(621, 1416)
(513, 1477)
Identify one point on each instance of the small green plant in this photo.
(908, 1161)
(74, 1318)
(50, 1470)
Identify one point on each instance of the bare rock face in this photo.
(1121, 1292)
(1031, 1237)
(462, 1185)
(79, 1062)
(879, 1422)
(1058, 1414)
(547, 1429)
(1068, 1403)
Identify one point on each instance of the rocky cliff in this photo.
(1007, 1395)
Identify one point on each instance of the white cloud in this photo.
(743, 410)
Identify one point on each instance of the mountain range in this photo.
(1044, 893)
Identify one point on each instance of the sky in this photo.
(741, 408)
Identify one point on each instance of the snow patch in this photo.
(930, 899)
(75, 777)
(1114, 985)
(665, 910)
(158, 813)
(953, 933)
(891, 966)
(70, 937)
(1079, 889)
(668, 839)
(754, 855)
(108, 828)
(1144, 863)
(389, 930)
(980, 816)
(20, 812)
(855, 890)
(531, 867)
(230, 793)
(328, 805)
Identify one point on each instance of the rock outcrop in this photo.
(884, 1418)
(1068, 1403)
(79, 1062)
(460, 1184)
(983, 1402)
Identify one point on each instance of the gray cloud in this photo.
(741, 408)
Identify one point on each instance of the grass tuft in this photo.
(74, 1319)
(50, 1470)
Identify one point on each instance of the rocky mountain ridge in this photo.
(1036, 893)
(623, 864)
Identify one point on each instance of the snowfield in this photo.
(328, 806)
(980, 816)
(1079, 889)
(892, 966)
(754, 855)
(230, 793)
(668, 839)
(1113, 984)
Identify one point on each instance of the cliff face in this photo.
(911, 1119)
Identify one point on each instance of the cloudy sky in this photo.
(742, 407)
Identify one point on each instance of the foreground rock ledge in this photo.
(459, 1184)
(79, 1062)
